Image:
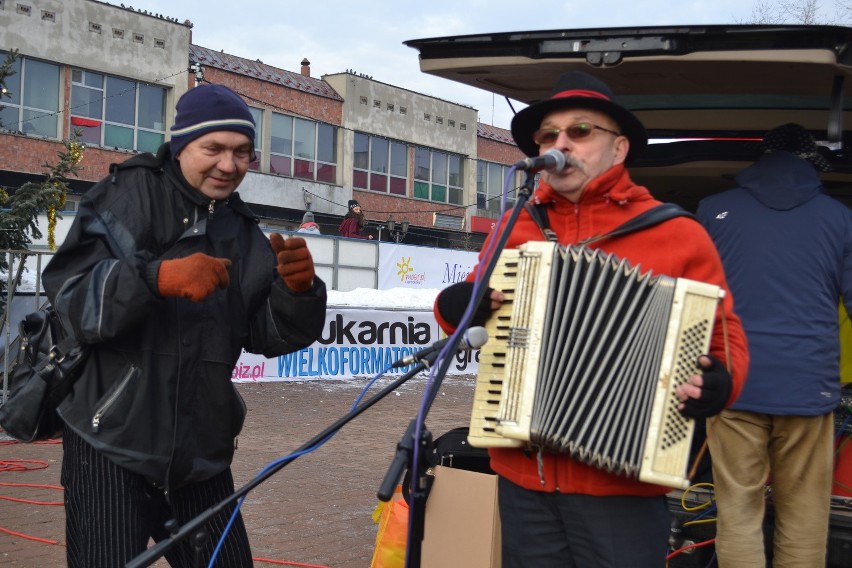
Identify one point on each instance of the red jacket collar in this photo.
(613, 185)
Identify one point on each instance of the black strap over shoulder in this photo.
(649, 218)
(538, 212)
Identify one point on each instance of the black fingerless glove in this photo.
(453, 300)
(714, 392)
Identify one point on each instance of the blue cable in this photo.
(289, 457)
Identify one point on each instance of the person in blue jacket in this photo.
(787, 252)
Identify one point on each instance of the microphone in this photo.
(473, 338)
(553, 160)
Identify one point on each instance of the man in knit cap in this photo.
(167, 277)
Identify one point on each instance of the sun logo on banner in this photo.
(404, 267)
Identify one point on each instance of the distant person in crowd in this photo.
(166, 276)
(555, 510)
(354, 222)
(787, 251)
(308, 224)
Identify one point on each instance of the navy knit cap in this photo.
(208, 108)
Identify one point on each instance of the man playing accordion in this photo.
(556, 511)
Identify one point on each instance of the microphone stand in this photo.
(194, 526)
(407, 450)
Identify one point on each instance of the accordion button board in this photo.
(584, 357)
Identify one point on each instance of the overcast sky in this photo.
(367, 36)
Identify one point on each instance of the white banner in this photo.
(410, 266)
(355, 343)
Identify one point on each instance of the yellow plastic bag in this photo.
(845, 346)
(392, 518)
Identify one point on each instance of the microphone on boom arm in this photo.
(553, 160)
(473, 338)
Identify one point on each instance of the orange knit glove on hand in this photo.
(194, 277)
(295, 264)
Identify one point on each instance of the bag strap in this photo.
(649, 218)
(538, 212)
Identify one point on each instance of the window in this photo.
(489, 186)
(32, 104)
(117, 113)
(257, 115)
(438, 176)
(303, 148)
(380, 164)
(281, 145)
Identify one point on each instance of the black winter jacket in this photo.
(156, 395)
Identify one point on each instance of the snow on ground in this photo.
(393, 298)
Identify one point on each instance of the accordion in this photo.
(584, 357)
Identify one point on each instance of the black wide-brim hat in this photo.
(576, 89)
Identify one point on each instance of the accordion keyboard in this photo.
(584, 356)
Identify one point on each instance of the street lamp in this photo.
(400, 234)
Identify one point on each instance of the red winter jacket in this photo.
(679, 248)
(351, 227)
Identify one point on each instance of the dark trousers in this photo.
(111, 513)
(555, 530)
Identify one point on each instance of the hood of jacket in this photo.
(781, 181)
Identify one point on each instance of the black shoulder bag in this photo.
(48, 363)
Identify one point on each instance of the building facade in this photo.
(424, 170)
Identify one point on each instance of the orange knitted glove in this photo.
(194, 277)
(295, 264)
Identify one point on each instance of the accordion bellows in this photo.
(584, 356)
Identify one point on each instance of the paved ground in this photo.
(314, 512)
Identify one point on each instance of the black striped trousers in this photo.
(111, 513)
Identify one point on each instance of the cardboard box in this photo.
(462, 524)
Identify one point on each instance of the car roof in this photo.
(727, 83)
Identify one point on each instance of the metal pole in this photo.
(8, 337)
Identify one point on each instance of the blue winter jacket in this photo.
(787, 252)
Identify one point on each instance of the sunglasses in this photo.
(546, 136)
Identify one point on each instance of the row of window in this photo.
(113, 112)
(382, 165)
(107, 111)
(490, 180)
(117, 113)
